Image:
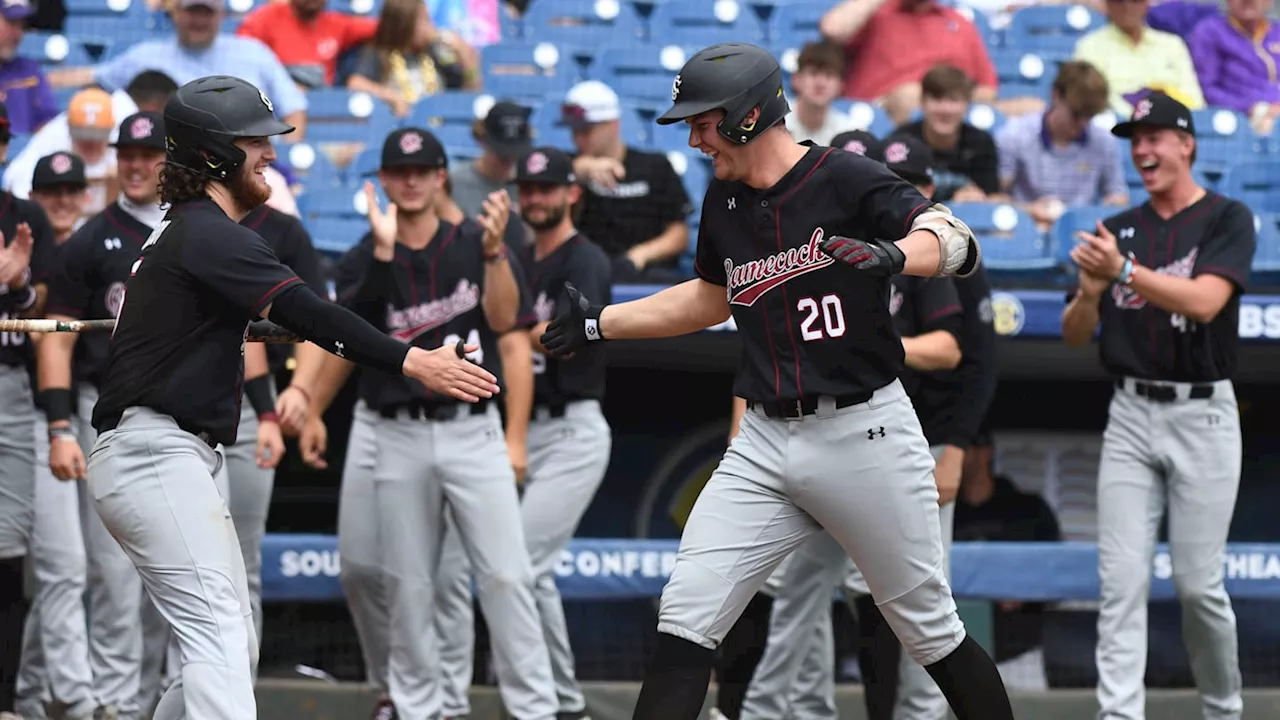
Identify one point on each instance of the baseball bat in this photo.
(261, 331)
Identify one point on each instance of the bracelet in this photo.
(1126, 271)
(298, 388)
(501, 254)
(65, 431)
(271, 417)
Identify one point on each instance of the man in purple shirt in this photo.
(1235, 57)
(23, 88)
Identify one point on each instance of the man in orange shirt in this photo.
(891, 44)
(307, 38)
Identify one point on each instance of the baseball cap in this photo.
(58, 169)
(859, 142)
(142, 130)
(909, 158)
(546, 165)
(506, 129)
(1156, 110)
(413, 147)
(590, 102)
(16, 9)
(89, 115)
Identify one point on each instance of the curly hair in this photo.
(179, 184)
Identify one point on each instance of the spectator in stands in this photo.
(410, 58)
(917, 35)
(58, 186)
(991, 508)
(814, 85)
(1134, 57)
(504, 136)
(639, 216)
(23, 87)
(307, 38)
(1060, 158)
(150, 90)
(1235, 56)
(197, 49)
(91, 122)
(965, 167)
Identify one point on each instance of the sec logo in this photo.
(1008, 315)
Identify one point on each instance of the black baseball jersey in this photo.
(427, 298)
(810, 325)
(93, 267)
(638, 208)
(15, 348)
(291, 243)
(952, 403)
(1213, 236)
(178, 345)
(583, 263)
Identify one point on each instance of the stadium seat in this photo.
(796, 23)
(577, 22)
(865, 116)
(526, 71)
(364, 166)
(311, 166)
(641, 73)
(1255, 183)
(53, 49)
(695, 174)
(339, 202)
(1074, 220)
(1022, 73)
(336, 115)
(985, 117)
(106, 31)
(100, 7)
(454, 107)
(703, 23)
(1266, 259)
(1011, 243)
(1223, 138)
(991, 36)
(547, 129)
(335, 236)
(366, 8)
(1051, 27)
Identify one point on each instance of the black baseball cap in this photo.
(413, 147)
(546, 165)
(860, 142)
(1158, 111)
(61, 169)
(909, 158)
(142, 130)
(507, 131)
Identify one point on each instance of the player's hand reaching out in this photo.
(15, 258)
(382, 223)
(870, 256)
(1098, 254)
(66, 459)
(293, 406)
(447, 371)
(313, 442)
(270, 447)
(574, 328)
(497, 210)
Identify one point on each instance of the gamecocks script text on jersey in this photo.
(408, 323)
(752, 279)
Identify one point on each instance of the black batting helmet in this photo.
(203, 119)
(734, 77)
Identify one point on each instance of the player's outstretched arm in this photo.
(343, 333)
(932, 351)
(686, 308)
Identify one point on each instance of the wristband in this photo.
(258, 390)
(61, 432)
(501, 254)
(56, 403)
(1126, 271)
(269, 417)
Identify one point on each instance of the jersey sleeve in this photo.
(1228, 249)
(240, 267)
(525, 316)
(708, 262)
(939, 306)
(876, 197)
(44, 247)
(69, 286)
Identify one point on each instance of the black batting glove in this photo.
(869, 256)
(574, 328)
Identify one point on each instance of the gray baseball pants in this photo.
(155, 486)
(17, 462)
(1182, 456)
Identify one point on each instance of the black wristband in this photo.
(56, 403)
(260, 393)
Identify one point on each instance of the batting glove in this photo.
(871, 256)
(575, 327)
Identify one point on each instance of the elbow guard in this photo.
(958, 249)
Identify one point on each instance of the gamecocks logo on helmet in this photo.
(266, 101)
(410, 143)
(1143, 109)
(61, 164)
(537, 163)
(675, 88)
(896, 153)
(141, 128)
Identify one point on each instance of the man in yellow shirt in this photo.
(1135, 57)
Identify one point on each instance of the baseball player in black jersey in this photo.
(171, 385)
(27, 254)
(830, 440)
(1164, 280)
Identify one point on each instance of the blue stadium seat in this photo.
(865, 116)
(364, 8)
(312, 167)
(794, 24)
(527, 71)
(336, 115)
(52, 50)
(98, 7)
(695, 178)
(1074, 220)
(17, 142)
(577, 22)
(641, 73)
(1051, 27)
(670, 137)
(1254, 183)
(1011, 243)
(704, 23)
(1223, 138)
(335, 236)
(106, 30)
(1022, 73)
(365, 164)
(985, 117)
(338, 202)
(1266, 259)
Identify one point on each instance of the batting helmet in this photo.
(203, 119)
(734, 77)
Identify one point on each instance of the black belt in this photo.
(558, 408)
(432, 411)
(1166, 393)
(790, 409)
(113, 421)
